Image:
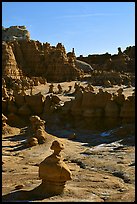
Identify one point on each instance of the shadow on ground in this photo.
(26, 195)
(94, 138)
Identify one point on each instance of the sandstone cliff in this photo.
(9, 64)
(36, 59)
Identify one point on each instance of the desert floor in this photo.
(102, 163)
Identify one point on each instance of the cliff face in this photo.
(123, 61)
(36, 59)
(9, 64)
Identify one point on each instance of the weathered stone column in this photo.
(53, 171)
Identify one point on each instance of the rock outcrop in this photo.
(100, 110)
(32, 58)
(9, 65)
(123, 61)
(39, 134)
(53, 171)
(84, 66)
(15, 33)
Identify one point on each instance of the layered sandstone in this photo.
(36, 59)
(9, 64)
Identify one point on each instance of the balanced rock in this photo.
(53, 171)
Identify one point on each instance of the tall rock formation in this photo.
(36, 59)
(9, 65)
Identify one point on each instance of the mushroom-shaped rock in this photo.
(37, 123)
(53, 171)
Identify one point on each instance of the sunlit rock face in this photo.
(32, 58)
(15, 33)
(53, 171)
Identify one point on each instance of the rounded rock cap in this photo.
(56, 145)
(34, 118)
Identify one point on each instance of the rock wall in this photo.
(88, 109)
(101, 110)
(36, 59)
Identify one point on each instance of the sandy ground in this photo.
(65, 86)
(103, 167)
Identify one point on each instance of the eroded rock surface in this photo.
(15, 33)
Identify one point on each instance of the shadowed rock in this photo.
(53, 171)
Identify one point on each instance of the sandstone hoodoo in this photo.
(33, 58)
(39, 134)
(53, 171)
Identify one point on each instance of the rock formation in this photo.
(38, 131)
(101, 109)
(83, 66)
(9, 65)
(110, 78)
(123, 61)
(33, 58)
(59, 89)
(15, 33)
(53, 171)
